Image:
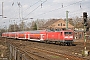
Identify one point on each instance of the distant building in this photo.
(57, 25)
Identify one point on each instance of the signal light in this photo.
(85, 14)
(85, 21)
(85, 17)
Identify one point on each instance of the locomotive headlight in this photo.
(71, 37)
(66, 36)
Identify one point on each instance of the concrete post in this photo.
(67, 20)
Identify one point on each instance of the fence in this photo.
(16, 54)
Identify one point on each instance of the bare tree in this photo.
(40, 23)
(28, 26)
(22, 26)
(78, 22)
(33, 25)
(13, 28)
(2, 30)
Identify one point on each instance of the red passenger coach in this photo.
(12, 34)
(3, 34)
(6, 34)
(22, 35)
(64, 37)
(38, 35)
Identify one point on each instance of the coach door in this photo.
(61, 35)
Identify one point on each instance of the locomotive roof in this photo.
(67, 30)
(35, 31)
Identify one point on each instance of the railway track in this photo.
(58, 54)
(33, 53)
(35, 56)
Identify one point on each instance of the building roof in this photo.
(48, 23)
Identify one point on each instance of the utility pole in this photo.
(14, 26)
(67, 20)
(2, 12)
(2, 9)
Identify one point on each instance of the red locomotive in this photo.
(64, 37)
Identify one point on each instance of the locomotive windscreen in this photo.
(67, 33)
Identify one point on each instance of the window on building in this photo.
(58, 24)
(63, 24)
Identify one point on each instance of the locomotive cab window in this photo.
(67, 33)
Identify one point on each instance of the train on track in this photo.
(64, 37)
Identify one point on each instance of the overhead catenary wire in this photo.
(71, 13)
(35, 8)
(54, 9)
(32, 5)
(60, 8)
(13, 3)
(48, 11)
(75, 12)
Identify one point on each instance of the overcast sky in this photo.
(42, 9)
